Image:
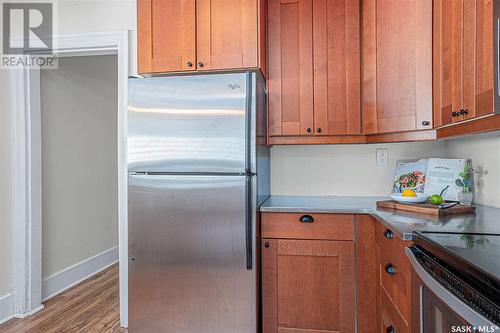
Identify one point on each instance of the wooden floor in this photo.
(91, 306)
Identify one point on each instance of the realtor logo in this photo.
(27, 33)
(27, 27)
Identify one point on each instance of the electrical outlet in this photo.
(382, 157)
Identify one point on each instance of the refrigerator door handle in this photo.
(248, 122)
(248, 223)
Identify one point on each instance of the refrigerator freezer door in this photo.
(188, 256)
(196, 123)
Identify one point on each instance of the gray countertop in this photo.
(485, 220)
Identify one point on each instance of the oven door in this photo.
(440, 311)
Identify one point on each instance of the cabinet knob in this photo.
(318, 130)
(308, 130)
(190, 64)
(200, 64)
(455, 114)
(388, 234)
(390, 329)
(426, 123)
(464, 112)
(390, 269)
(306, 219)
(266, 244)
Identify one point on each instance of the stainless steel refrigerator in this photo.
(198, 171)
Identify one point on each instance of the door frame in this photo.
(26, 168)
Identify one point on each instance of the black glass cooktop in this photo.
(475, 257)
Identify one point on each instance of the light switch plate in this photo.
(382, 157)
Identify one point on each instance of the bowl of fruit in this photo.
(409, 196)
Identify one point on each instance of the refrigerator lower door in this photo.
(190, 238)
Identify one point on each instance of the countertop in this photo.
(485, 220)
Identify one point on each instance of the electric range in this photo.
(459, 275)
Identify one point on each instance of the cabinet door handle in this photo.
(308, 130)
(200, 64)
(390, 329)
(189, 64)
(306, 219)
(318, 130)
(266, 244)
(388, 234)
(463, 112)
(426, 123)
(390, 269)
(455, 114)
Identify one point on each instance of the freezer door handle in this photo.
(248, 222)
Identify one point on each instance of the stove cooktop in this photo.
(474, 257)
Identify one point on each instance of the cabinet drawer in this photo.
(395, 278)
(394, 270)
(390, 317)
(308, 226)
(388, 239)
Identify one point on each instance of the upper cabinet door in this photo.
(448, 54)
(337, 90)
(166, 35)
(227, 34)
(187, 35)
(463, 60)
(397, 65)
(484, 65)
(290, 78)
(478, 58)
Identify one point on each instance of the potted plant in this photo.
(465, 182)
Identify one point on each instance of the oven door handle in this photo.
(453, 302)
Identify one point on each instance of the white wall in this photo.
(341, 169)
(351, 169)
(484, 150)
(79, 160)
(100, 15)
(5, 202)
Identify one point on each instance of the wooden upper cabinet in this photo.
(308, 286)
(227, 34)
(166, 35)
(290, 76)
(314, 67)
(397, 66)
(187, 35)
(463, 60)
(337, 62)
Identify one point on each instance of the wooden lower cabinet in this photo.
(313, 265)
(394, 274)
(391, 320)
(308, 286)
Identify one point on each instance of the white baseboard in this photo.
(6, 308)
(67, 278)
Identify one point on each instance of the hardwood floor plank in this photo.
(91, 306)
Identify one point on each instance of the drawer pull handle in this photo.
(390, 269)
(388, 234)
(306, 219)
(390, 329)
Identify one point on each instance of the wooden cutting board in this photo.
(426, 208)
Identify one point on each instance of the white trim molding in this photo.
(6, 308)
(26, 169)
(73, 275)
